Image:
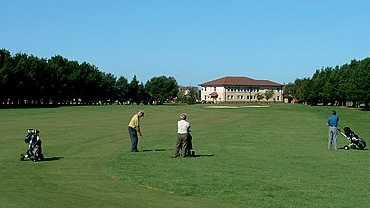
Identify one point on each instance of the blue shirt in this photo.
(333, 121)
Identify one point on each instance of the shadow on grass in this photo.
(46, 159)
(28, 106)
(207, 155)
(155, 150)
(342, 148)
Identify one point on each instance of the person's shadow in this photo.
(205, 155)
(155, 150)
(342, 148)
(46, 159)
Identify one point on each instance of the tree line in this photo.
(348, 84)
(30, 80)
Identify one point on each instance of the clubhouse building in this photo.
(240, 89)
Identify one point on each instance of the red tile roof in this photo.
(240, 81)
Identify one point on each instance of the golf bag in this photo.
(188, 149)
(34, 151)
(355, 142)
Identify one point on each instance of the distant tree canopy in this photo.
(162, 88)
(189, 96)
(335, 85)
(29, 80)
(268, 94)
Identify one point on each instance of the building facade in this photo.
(186, 89)
(241, 89)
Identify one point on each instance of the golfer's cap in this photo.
(183, 116)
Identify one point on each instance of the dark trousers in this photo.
(134, 139)
(183, 145)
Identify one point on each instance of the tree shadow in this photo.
(26, 106)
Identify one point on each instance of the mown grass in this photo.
(248, 157)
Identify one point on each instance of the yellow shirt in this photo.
(134, 123)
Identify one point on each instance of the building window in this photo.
(214, 89)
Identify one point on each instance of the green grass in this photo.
(250, 157)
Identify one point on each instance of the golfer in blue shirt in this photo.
(333, 131)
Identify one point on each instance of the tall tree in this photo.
(133, 91)
(122, 89)
(162, 88)
(143, 95)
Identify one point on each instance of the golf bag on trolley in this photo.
(188, 148)
(34, 151)
(355, 142)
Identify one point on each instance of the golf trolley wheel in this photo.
(346, 147)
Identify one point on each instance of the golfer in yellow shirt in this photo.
(134, 130)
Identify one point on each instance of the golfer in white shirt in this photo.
(183, 144)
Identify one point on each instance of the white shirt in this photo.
(182, 127)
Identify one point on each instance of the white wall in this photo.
(239, 94)
(206, 91)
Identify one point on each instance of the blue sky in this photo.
(192, 40)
